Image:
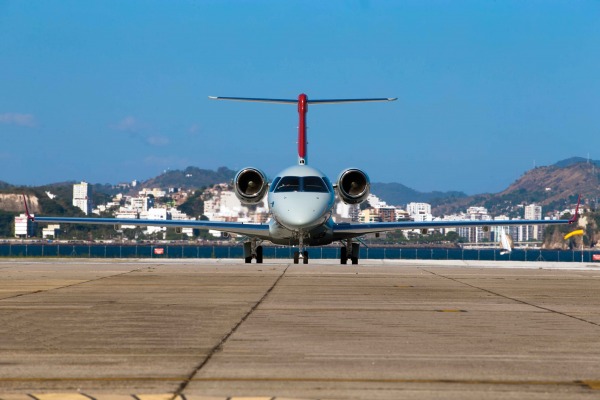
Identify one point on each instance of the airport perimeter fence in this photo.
(157, 251)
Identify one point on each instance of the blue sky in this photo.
(110, 91)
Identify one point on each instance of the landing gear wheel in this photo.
(343, 255)
(296, 257)
(248, 260)
(305, 258)
(259, 255)
(355, 253)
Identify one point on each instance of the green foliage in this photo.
(7, 223)
(194, 205)
(191, 178)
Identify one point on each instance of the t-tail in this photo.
(303, 103)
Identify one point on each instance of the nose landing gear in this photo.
(301, 253)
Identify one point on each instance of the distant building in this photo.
(347, 212)
(369, 215)
(156, 214)
(24, 227)
(156, 192)
(82, 195)
(142, 203)
(387, 214)
(418, 208)
(51, 231)
(402, 215)
(475, 234)
(534, 232)
(419, 212)
(127, 213)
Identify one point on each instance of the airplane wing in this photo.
(350, 230)
(253, 230)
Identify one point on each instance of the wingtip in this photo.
(29, 216)
(575, 217)
(392, 98)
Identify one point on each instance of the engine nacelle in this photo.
(250, 185)
(353, 186)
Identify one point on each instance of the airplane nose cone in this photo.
(304, 215)
(300, 219)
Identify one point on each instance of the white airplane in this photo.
(301, 200)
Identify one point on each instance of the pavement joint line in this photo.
(513, 299)
(61, 396)
(151, 396)
(74, 284)
(102, 379)
(585, 383)
(219, 345)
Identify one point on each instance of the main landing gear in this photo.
(253, 250)
(349, 252)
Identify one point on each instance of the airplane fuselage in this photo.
(301, 200)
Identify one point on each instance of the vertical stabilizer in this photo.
(302, 141)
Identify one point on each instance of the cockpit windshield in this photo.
(288, 184)
(314, 184)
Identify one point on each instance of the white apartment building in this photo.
(534, 232)
(82, 197)
(375, 201)
(475, 234)
(419, 212)
(418, 208)
(495, 231)
(347, 211)
(156, 213)
(226, 205)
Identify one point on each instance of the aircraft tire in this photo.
(259, 255)
(296, 257)
(248, 260)
(305, 258)
(354, 260)
(343, 255)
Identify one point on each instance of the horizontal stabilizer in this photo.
(334, 101)
(295, 101)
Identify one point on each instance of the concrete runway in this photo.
(214, 329)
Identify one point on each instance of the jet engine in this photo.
(250, 185)
(353, 186)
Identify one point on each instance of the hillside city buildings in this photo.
(221, 204)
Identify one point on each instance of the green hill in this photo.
(190, 178)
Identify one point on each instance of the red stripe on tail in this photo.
(302, 110)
